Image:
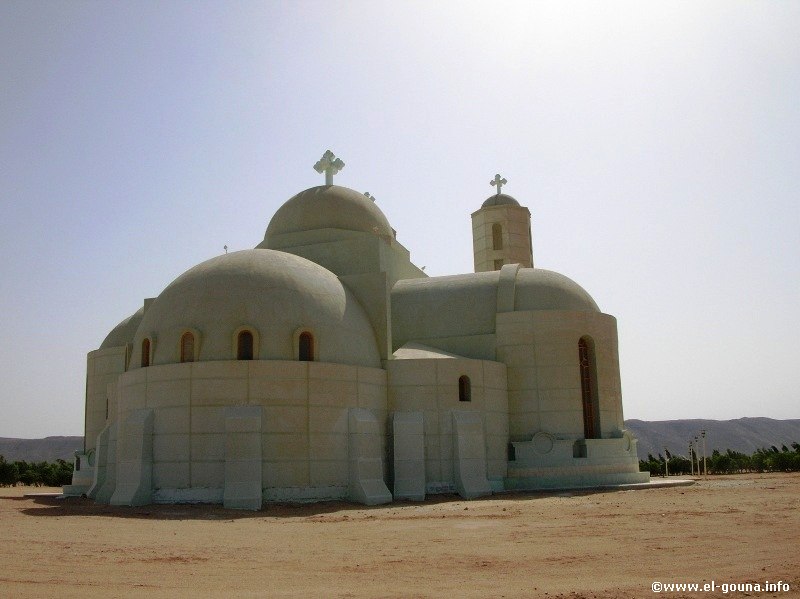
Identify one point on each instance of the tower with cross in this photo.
(501, 231)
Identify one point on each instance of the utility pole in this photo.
(705, 465)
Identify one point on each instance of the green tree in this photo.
(9, 473)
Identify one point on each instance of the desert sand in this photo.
(729, 529)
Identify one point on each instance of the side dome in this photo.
(327, 207)
(273, 294)
(501, 199)
(538, 289)
(124, 332)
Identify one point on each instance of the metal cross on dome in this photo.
(498, 182)
(330, 165)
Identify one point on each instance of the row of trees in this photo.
(55, 474)
(785, 459)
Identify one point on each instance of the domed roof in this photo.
(328, 207)
(272, 292)
(123, 333)
(500, 199)
(458, 305)
(539, 289)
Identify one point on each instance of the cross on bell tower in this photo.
(330, 165)
(498, 182)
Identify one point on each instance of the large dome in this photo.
(328, 207)
(275, 293)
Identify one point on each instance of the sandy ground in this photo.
(729, 529)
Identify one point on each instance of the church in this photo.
(323, 364)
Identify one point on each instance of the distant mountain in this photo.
(743, 434)
(48, 449)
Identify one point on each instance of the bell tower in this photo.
(501, 232)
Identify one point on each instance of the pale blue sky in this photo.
(656, 145)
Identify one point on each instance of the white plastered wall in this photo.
(304, 407)
(540, 349)
(430, 386)
(103, 368)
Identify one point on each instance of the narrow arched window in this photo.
(187, 347)
(306, 349)
(588, 371)
(464, 389)
(497, 236)
(244, 346)
(145, 352)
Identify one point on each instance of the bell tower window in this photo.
(497, 236)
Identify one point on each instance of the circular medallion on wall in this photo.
(543, 442)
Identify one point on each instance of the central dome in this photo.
(328, 207)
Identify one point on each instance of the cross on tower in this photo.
(330, 165)
(498, 182)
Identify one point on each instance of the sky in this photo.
(657, 146)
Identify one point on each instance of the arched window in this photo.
(145, 352)
(497, 236)
(588, 370)
(464, 389)
(187, 347)
(306, 347)
(244, 346)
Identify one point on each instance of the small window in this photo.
(244, 346)
(498, 264)
(187, 347)
(497, 236)
(464, 389)
(306, 349)
(145, 352)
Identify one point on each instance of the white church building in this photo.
(323, 364)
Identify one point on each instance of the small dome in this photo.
(539, 289)
(123, 333)
(458, 305)
(327, 207)
(275, 293)
(501, 199)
